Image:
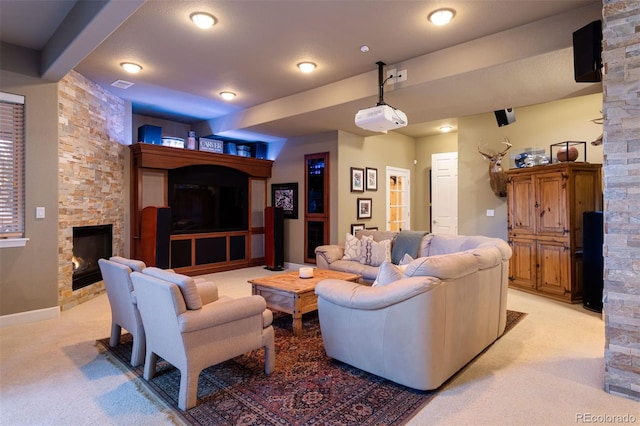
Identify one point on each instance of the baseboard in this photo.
(29, 316)
(295, 266)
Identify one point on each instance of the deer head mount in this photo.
(497, 176)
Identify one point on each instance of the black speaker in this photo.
(592, 260)
(155, 235)
(505, 116)
(274, 238)
(587, 53)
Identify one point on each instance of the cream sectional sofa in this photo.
(332, 256)
(421, 323)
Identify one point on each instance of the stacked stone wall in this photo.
(91, 161)
(621, 108)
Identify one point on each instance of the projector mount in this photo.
(381, 82)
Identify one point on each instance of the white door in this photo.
(444, 193)
(398, 199)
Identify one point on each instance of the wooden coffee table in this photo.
(294, 295)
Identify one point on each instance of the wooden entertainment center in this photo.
(198, 253)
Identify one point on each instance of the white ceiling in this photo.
(493, 55)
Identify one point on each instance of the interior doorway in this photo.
(398, 199)
(444, 193)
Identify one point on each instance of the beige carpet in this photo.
(547, 370)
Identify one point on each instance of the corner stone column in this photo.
(621, 109)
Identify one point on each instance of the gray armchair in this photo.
(193, 335)
(116, 273)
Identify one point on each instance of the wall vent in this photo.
(122, 84)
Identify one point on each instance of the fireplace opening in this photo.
(90, 243)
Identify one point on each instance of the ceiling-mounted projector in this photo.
(380, 118)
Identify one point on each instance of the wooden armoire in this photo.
(545, 209)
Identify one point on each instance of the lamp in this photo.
(227, 96)
(441, 16)
(306, 67)
(130, 67)
(203, 20)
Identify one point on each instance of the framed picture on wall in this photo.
(371, 181)
(285, 195)
(364, 208)
(355, 227)
(357, 179)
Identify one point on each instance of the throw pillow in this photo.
(406, 259)
(374, 253)
(387, 274)
(352, 248)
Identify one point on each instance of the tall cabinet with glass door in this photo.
(316, 211)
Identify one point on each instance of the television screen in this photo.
(208, 198)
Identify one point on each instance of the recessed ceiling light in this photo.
(130, 67)
(446, 128)
(227, 96)
(203, 20)
(441, 16)
(306, 67)
(364, 48)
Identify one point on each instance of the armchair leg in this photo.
(150, 365)
(115, 335)
(269, 353)
(188, 395)
(138, 350)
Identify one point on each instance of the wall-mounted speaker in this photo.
(155, 235)
(505, 116)
(274, 238)
(587, 53)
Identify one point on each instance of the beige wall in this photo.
(29, 275)
(535, 126)
(289, 167)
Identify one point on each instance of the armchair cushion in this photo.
(134, 265)
(222, 312)
(186, 285)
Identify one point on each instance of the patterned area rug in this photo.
(306, 388)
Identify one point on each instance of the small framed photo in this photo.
(357, 179)
(285, 195)
(371, 181)
(355, 227)
(364, 208)
(373, 228)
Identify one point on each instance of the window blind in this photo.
(11, 165)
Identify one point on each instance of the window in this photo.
(11, 165)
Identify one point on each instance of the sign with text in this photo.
(211, 145)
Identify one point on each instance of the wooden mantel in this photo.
(163, 157)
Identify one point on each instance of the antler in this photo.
(500, 154)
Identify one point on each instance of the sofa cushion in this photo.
(374, 253)
(449, 266)
(377, 235)
(369, 273)
(388, 273)
(352, 248)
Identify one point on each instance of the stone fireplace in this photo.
(91, 183)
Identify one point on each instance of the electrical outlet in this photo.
(39, 212)
(391, 75)
(402, 76)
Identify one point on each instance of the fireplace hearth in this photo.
(90, 243)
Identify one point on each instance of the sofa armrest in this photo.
(222, 312)
(327, 254)
(357, 296)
